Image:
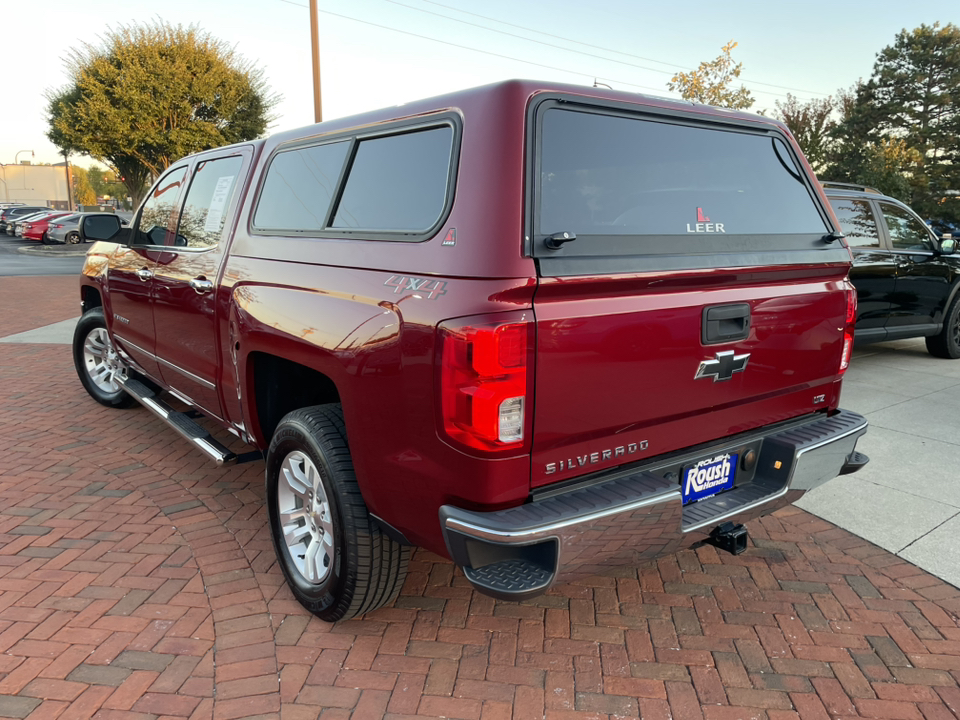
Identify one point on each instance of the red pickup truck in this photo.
(539, 329)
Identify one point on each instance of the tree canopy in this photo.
(810, 122)
(710, 83)
(147, 95)
(83, 192)
(903, 124)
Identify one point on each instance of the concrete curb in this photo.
(51, 252)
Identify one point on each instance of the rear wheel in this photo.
(946, 344)
(97, 362)
(334, 557)
(72, 238)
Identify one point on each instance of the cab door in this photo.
(132, 267)
(874, 270)
(924, 277)
(186, 278)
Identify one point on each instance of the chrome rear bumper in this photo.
(637, 514)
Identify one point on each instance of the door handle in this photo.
(201, 285)
(144, 274)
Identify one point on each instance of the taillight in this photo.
(484, 381)
(848, 328)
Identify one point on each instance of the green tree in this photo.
(710, 83)
(98, 180)
(83, 193)
(810, 122)
(147, 95)
(908, 116)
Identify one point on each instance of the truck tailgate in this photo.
(618, 359)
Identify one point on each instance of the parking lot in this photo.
(138, 581)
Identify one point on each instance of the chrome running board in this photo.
(198, 436)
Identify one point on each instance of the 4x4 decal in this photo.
(430, 289)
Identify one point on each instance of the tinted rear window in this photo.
(609, 175)
(299, 187)
(857, 222)
(398, 182)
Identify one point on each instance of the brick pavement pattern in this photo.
(138, 581)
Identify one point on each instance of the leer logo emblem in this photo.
(703, 224)
(723, 366)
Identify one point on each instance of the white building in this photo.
(34, 184)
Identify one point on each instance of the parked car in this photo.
(554, 330)
(65, 230)
(16, 225)
(58, 229)
(9, 215)
(37, 229)
(906, 276)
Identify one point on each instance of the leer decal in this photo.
(703, 224)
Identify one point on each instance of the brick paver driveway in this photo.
(137, 581)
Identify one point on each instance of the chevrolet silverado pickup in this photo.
(543, 330)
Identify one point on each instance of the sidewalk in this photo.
(138, 581)
(907, 500)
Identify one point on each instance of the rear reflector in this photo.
(484, 381)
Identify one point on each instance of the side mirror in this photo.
(99, 227)
(946, 245)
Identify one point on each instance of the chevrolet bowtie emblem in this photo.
(723, 366)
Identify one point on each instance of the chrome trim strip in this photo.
(187, 374)
(543, 531)
(136, 347)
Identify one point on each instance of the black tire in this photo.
(72, 238)
(368, 568)
(946, 343)
(43, 239)
(92, 322)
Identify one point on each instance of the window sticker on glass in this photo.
(703, 224)
(221, 193)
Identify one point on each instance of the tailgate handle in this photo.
(725, 323)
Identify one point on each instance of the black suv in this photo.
(906, 276)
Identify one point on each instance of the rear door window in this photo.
(857, 222)
(629, 185)
(208, 199)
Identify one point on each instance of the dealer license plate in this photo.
(709, 477)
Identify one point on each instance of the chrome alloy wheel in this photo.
(306, 518)
(101, 361)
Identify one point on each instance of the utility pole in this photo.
(66, 165)
(315, 42)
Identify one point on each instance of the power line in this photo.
(595, 47)
(460, 46)
(522, 37)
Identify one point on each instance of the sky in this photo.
(377, 53)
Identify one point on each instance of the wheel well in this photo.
(282, 386)
(90, 298)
